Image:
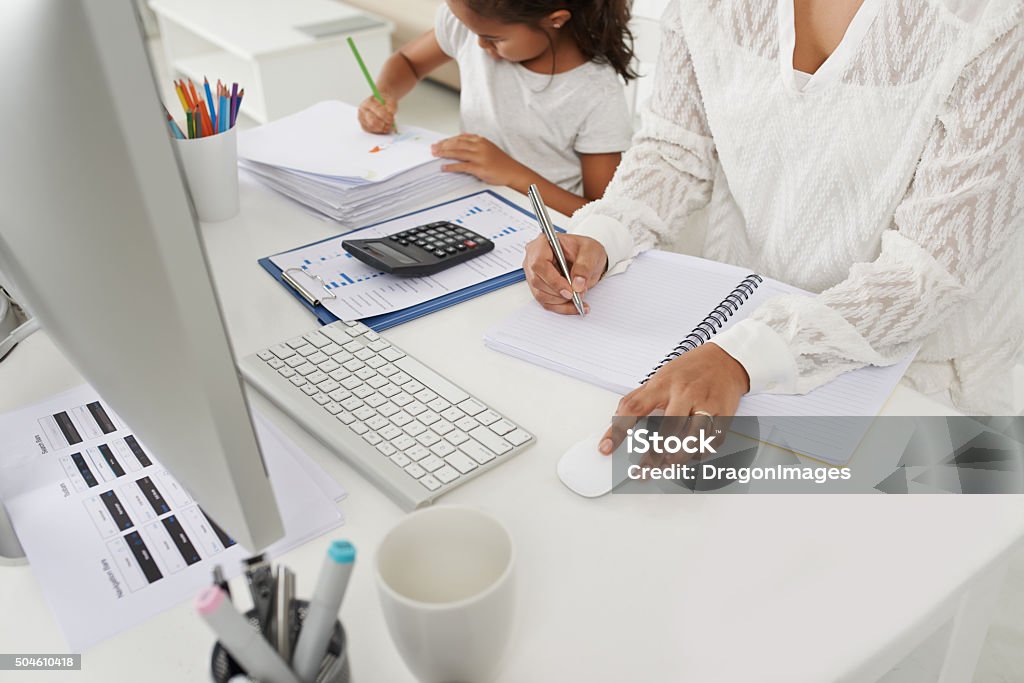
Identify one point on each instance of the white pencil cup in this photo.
(211, 168)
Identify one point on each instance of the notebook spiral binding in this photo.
(713, 322)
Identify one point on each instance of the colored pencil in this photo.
(223, 114)
(173, 125)
(234, 103)
(188, 124)
(209, 102)
(366, 73)
(181, 96)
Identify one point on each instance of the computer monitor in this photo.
(98, 232)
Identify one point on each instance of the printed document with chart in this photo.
(112, 537)
(361, 291)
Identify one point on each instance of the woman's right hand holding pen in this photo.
(587, 261)
(378, 118)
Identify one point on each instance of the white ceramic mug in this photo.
(445, 579)
(211, 168)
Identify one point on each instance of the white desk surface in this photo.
(626, 587)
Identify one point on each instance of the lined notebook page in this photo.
(635, 319)
(641, 315)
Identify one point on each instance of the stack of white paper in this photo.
(321, 158)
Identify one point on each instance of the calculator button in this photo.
(439, 253)
(403, 242)
(469, 243)
(460, 247)
(395, 238)
(449, 250)
(421, 243)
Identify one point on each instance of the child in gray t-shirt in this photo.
(542, 92)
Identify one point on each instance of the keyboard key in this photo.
(391, 354)
(502, 427)
(414, 470)
(403, 442)
(425, 395)
(281, 351)
(430, 482)
(298, 380)
(306, 369)
(388, 409)
(438, 404)
(351, 382)
(309, 389)
(414, 428)
(339, 394)
(401, 418)
(477, 452)
(428, 438)
(295, 361)
(346, 417)
(355, 331)
(439, 384)
(402, 461)
(388, 370)
(489, 417)
(353, 345)
(286, 372)
(376, 381)
(265, 355)
(401, 378)
(456, 438)
(390, 431)
(442, 448)
(316, 377)
(298, 343)
(471, 407)
(364, 413)
(431, 463)
(351, 403)
(370, 335)
(442, 427)
(491, 440)
(447, 474)
(372, 438)
(518, 437)
(342, 357)
(335, 333)
(467, 424)
(375, 400)
(415, 408)
(316, 339)
(376, 362)
(452, 414)
(412, 386)
(332, 408)
(417, 452)
(322, 399)
(328, 385)
(330, 349)
(365, 373)
(275, 363)
(429, 417)
(387, 449)
(460, 462)
(402, 399)
(378, 345)
(359, 428)
(328, 366)
(364, 354)
(306, 350)
(353, 365)
(318, 358)
(362, 391)
(376, 422)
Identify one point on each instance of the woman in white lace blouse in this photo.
(870, 151)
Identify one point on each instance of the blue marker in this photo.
(318, 626)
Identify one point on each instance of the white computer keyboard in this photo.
(411, 431)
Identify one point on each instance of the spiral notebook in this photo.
(667, 304)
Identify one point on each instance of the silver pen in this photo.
(544, 220)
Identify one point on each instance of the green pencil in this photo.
(366, 72)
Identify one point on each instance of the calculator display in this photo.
(382, 249)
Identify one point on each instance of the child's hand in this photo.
(587, 262)
(480, 157)
(378, 118)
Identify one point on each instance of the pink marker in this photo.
(241, 640)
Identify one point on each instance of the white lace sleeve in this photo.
(958, 229)
(667, 173)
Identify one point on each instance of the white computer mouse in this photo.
(585, 470)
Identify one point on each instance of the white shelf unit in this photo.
(287, 54)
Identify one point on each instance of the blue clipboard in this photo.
(387, 320)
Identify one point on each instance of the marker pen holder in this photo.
(333, 669)
(211, 168)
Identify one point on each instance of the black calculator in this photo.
(423, 250)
